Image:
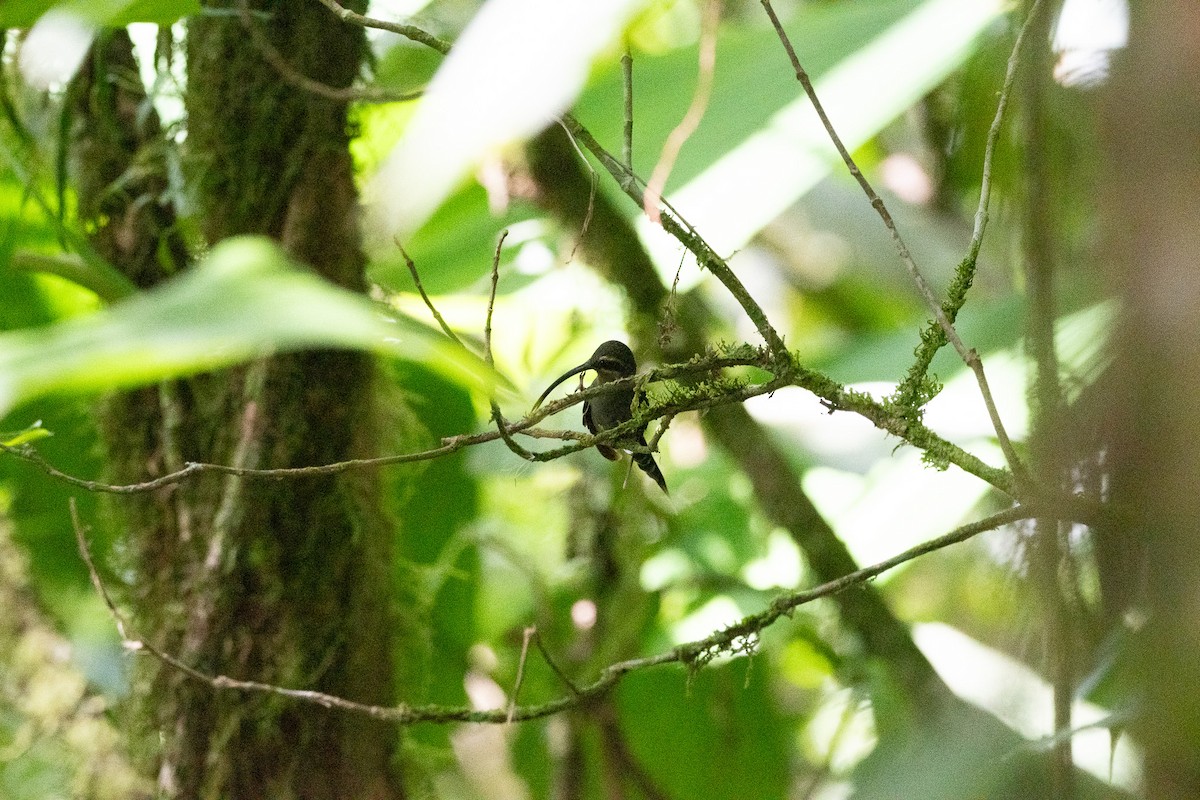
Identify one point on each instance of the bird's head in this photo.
(611, 361)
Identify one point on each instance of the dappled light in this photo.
(554, 398)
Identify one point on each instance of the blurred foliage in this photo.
(603, 567)
(56, 739)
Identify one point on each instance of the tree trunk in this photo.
(1151, 207)
(287, 582)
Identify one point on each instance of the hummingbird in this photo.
(612, 361)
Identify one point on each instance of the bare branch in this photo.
(627, 97)
(835, 396)
(289, 73)
(497, 415)
(968, 355)
(408, 31)
(989, 150)
(729, 640)
(530, 632)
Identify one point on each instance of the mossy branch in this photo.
(738, 638)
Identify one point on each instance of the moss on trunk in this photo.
(286, 582)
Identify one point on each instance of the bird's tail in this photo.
(646, 464)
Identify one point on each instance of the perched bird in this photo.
(612, 361)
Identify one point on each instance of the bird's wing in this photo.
(605, 450)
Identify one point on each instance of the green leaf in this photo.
(759, 147)
(450, 263)
(245, 300)
(754, 178)
(515, 67)
(716, 735)
(32, 433)
(108, 13)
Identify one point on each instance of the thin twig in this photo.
(876, 201)
(832, 394)
(627, 96)
(487, 325)
(968, 355)
(288, 71)
(691, 119)
(408, 31)
(562, 676)
(989, 150)
(679, 228)
(719, 642)
(697, 652)
(530, 632)
(502, 426)
(85, 551)
(441, 321)
(911, 391)
(592, 184)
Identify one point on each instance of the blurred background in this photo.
(964, 673)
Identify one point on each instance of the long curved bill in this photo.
(584, 367)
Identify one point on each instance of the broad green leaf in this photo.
(518, 64)
(756, 181)
(717, 734)
(452, 262)
(757, 121)
(112, 13)
(245, 300)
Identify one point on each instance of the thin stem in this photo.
(911, 391)
(731, 640)
(876, 201)
(627, 96)
(408, 31)
(502, 426)
(989, 151)
(969, 356)
(441, 321)
(487, 324)
(678, 227)
(530, 632)
(557, 670)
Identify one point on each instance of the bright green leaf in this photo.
(516, 67)
(244, 301)
(31, 434)
(756, 181)
(112, 13)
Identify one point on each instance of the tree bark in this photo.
(284, 582)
